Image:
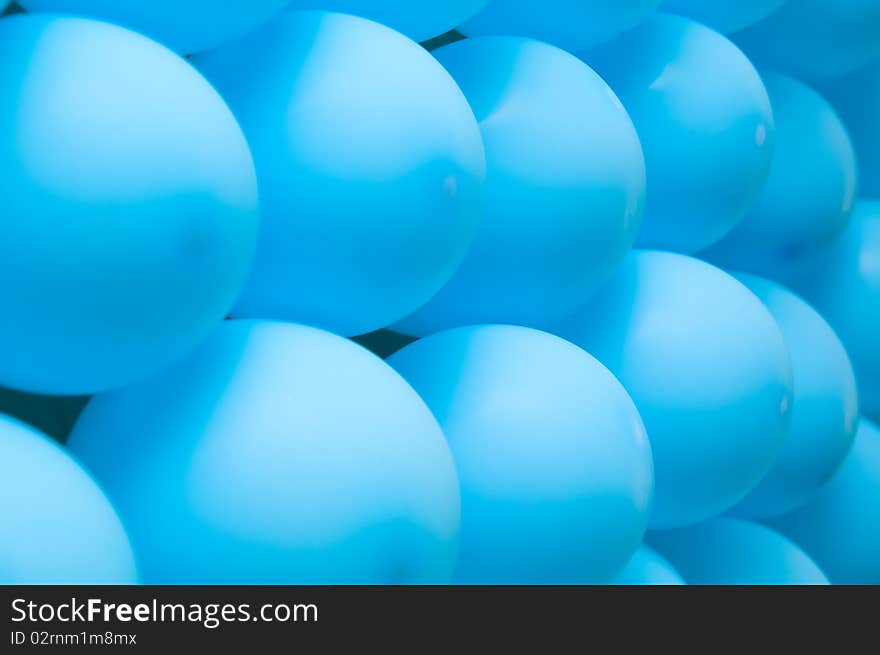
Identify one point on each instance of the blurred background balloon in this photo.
(570, 24)
(707, 136)
(843, 283)
(184, 25)
(52, 415)
(733, 552)
(58, 527)
(370, 163)
(276, 454)
(707, 367)
(564, 190)
(130, 206)
(723, 15)
(824, 407)
(647, 568)
(856, 97)
(815, 39)
(840, 529)
(554, 464)
(810, 193)
(420, 20)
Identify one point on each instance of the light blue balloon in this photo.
(370, 163)
(647, 568)
(564, 190)
(277, 454)
(554, 464)
(58, 526)
(184, 25)
(726, 16)
(856, 97)
(130, 207)
(569, 24)
(840, 529)
(705, 123)
(843, 283)
(707, 367)
(733, 552)
(815, 39)
(809, 196)
(824, 409)
(419, 20)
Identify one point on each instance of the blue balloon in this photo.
(564, 190)
(843, 283)
(824, 410)
(647, 568)
(554, 464)
(707, 367)
(840, 529)
(726, 16)
(58, 527)
(705, 122)
(276, 454)
(370, 163)
(815, 39)
(856, 97)
(184, 25)
(809, 196)
(733, 552)
(569, 24)
(130, 207)
(419, 20)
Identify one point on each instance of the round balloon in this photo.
(824, 409)
(58, 527)
(564, 190)
(723, 15)
(707, 367)
(856, 97)
(276, 454)
(130, 206)
(840, 528)
(569, 24)
(815, 39)
(810, 192)
(647, 568)
(184, 25)
(418, 20)
(554, 464)
(843, 283)
(728, 551)
(370, 164)
(52, 415)
(707, 137)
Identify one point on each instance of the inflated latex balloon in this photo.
(370, 164)
(184, 25)
(647, 568)
(419, 20)
(564, 190)
(856, 97)
(810, 192)
(707, 367)
(723, 15)
(733, 552)
(843, 283)
(824, 409)
(52, 415)
(707, 137)
(815, 39)
(130, 207)
(569, 24)
(276, 454)
(554, 464)
(840, 529)
(58, 526)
